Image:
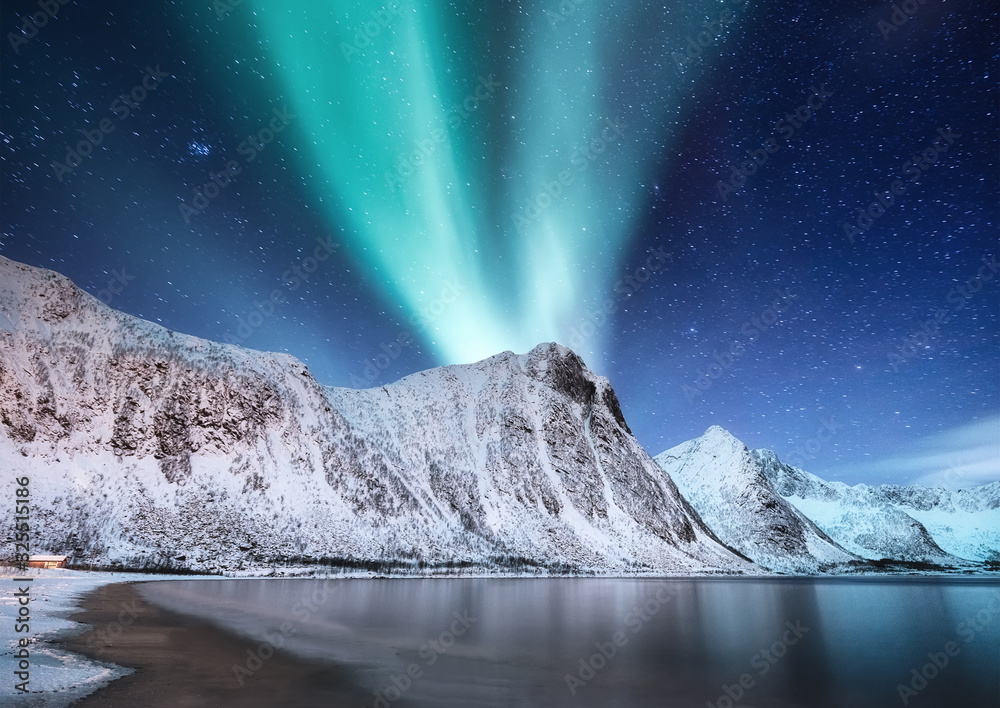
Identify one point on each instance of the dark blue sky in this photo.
(880, 366)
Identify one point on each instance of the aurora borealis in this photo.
(421, 92)
(381, 188)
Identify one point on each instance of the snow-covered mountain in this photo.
(890, 521)
(142, 445)
(726, 484)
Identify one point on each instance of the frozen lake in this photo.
(625, 643)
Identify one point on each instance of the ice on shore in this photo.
(57, 677)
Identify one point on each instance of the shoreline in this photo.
(857, 568)
(183, 661)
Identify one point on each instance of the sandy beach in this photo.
(181, 661)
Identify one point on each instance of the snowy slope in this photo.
(726, 485)
(890, 521)
(146, 446)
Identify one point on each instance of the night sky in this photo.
(780, 218)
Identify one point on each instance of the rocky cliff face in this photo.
(726, 484)
(146, 446)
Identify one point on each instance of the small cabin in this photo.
(47, 561)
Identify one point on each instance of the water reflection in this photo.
(629, 643)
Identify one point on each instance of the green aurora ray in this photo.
(370, 85)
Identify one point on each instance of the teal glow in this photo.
(452, 220)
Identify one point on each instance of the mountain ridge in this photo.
(150, 448)
(892, 521)
(723, 481)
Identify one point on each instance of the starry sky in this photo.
(778, 217)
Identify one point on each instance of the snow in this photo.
(150, 449)
(726, 485)
(57, 677)
(889, 521)
(162, 450)
(974, 535)
(792, 521)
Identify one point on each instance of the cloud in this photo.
(966, 456)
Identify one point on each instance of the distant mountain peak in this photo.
(726, 485)
(717, 435)
(913, 523)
